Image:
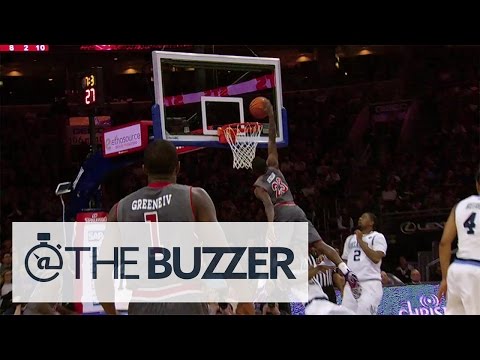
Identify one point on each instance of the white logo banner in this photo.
(160, 262)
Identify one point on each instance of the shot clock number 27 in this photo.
(92, 87)
(88, 83)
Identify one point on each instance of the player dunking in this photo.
(364, 252)
(183, 203)
(461, 280)
(272, 189)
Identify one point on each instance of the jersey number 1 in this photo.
(152, 218)
(470, 224)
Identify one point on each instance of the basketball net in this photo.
(243, 139)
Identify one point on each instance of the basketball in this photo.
(257, 108)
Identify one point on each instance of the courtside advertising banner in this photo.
(419, 299)
(160, 262)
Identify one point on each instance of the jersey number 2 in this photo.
(356, 255)
(152, 217)
(470, 224)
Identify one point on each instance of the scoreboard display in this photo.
(24, 48)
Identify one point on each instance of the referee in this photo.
(326, 276)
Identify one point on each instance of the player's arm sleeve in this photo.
(380, 244)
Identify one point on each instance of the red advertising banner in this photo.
(92, 216)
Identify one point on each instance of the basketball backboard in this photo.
(197, 93)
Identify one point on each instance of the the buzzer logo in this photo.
(192, 262)
(42, 261)
(429, 305)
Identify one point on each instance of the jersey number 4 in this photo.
(152, 218)
(470, 224)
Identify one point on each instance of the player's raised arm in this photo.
(272, 160)
(332, 255)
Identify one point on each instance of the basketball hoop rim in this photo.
(250, 127)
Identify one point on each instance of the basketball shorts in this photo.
(463, 294)
(367, 304)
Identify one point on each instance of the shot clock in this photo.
(91, 98)
(91, 90)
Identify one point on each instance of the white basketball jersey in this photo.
(467, 217)
(358, 261)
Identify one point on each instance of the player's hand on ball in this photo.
(267, 107)
(442, 290)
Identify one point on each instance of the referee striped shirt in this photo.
(322, 279)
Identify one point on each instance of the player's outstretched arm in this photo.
(331, 254)
(350, 277)
(203, 206)
(314, 270)
(328, 251)
(262, 195)
(272, 160)
(445, 250)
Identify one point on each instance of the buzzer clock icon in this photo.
(47, 258)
